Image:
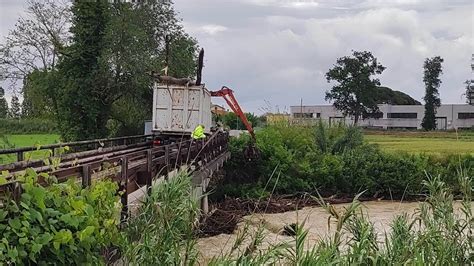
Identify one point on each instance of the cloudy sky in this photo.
(275, 52)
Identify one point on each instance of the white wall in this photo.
(447, 111)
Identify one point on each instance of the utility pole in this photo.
(470, 84)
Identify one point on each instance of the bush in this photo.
(332, 159)
(27, 126)
(61, 223)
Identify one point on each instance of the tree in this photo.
(432, 70)
(83, 108)
(387, 95)
(354, 92)
(232, 121)
(96, 74)
(3, 104)
(15, 110)
(469, 91)
(135, 45)
(31, 50)
(34, 42)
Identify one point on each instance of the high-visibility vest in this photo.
(198, 133)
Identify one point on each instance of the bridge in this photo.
(133, 162)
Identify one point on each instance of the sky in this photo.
(273, 53)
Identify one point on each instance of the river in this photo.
(380, 213)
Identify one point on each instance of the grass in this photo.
(26, 140)
(423, 142)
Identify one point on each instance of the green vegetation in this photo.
(66, 224)
(3, 104)
(163, 230)
(15, 110)
(232, 121)
(387, 95)
(27, 126)
(334, 160)
(423, 144)
(30, 140)
(59, 224)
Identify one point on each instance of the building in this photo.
(448, 116)
(273, 119)
(218, 110)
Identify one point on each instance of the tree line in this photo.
(9, 112)
(84, 64)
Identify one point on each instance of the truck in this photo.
(178, 109)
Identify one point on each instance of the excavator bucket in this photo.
(251, 152)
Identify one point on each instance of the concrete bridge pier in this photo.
(202, 176)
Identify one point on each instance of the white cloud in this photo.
(205, 29)
(286, 3)
(392, 3)
(212, 29)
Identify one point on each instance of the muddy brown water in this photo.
(380, 213)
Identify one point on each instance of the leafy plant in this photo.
(61, 223)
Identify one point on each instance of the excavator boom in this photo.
(228, 96)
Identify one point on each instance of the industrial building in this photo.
(448, 116)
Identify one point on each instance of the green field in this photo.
(16, 141)
(423, 142)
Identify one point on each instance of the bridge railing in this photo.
(134, 170)
(77, 145)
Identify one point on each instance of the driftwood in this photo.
(172, 80)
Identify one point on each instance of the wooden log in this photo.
(172, 80)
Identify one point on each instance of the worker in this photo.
(198, 132)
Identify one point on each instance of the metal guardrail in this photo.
(136, 169)
(96, 142)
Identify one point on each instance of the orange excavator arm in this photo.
(228, 96)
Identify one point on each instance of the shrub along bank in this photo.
(332, 160)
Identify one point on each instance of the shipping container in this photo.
(179, 109)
